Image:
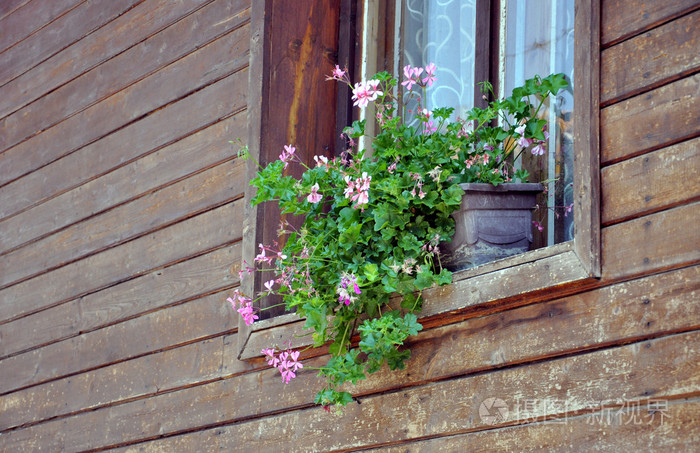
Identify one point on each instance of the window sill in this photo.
(514, 281)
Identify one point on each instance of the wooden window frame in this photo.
(531, 277)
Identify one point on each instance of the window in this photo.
(547, 272)
(518, 40)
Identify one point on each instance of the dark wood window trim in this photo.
(537, 275)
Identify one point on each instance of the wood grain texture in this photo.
(204, 149)
(166, 370)
(72, 26)
(651, 182)
(587, 136)
(119, 148)
(100, 328)
(619, 313)
(452, 407)
(165, 72)
(9, 6)
(201, 192)
(164, 247)
(624, 18)
(652, 243)
(661, 117)
(629, 427)
(157, 414)
(651, 59)
(31, 17)
(121, 34)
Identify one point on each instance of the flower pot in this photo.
(493, 222)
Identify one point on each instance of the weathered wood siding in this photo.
(121, 214)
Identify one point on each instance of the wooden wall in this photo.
(121, 213)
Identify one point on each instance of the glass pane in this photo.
(539, 40)
(442, 32)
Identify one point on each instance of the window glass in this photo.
(442, 32)
(537, 37)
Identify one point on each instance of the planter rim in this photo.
(506, 187)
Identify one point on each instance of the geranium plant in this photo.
(373, 220)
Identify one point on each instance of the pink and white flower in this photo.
(366, 92)
(430, 74)
(287, 154)
(314, 196)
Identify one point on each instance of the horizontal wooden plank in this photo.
(31, 17)
(526, 283)
(651, 182)
(624, 428)
(9, 6)
(661, 303)
(181, 159)
(156, 130)
(173, 368)
(119, 420)
(98, 328)
(655, 242)
(201, 192)
(175, 243)
(649, 60)
(132, 27)
(160, 81)
(661, 117)
(59, 34)
(101, 229)
(442, 408)
(621, 19)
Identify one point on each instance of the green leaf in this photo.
(371, 271)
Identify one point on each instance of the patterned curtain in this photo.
(442, 32)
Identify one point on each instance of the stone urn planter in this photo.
(493, 222)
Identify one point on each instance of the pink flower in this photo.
(272, 360)
(366, 92)
(358, 190)
(287, 154)
(260, 258)
(321, 161)
(350, 188)
(246, 312)
(522, 141)
(269, 284)
(337, 74)
(538, 225)
(347, 280)
(408, 74)
(430, 73)
(288, 365)
(538, 150)
(568, 209)
(238, 299)
(314, 196)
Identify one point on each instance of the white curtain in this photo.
(539, 40)
(442, 32)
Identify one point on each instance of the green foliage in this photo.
(376, 226)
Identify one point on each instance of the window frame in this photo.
(533, 276)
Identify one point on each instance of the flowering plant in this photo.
(372, 222)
